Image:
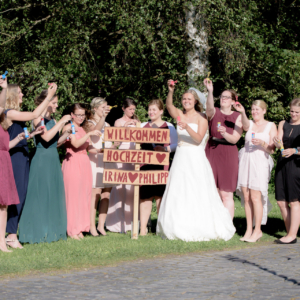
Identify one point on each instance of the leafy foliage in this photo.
(103, 48)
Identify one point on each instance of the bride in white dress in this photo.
(191, 208)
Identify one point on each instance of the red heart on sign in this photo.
(160, 157)
(133, 177)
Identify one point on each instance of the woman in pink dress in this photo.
(120, 211)
(225, 129)
(255, 166)
(77, 174)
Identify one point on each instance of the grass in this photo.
(91, 252)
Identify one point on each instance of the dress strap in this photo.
(268, 127)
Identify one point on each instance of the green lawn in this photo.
(115, 248)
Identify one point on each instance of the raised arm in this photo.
(15, 115)
(237, 132)
(173, 111)
(3, 84)
(245, 121)
(210, 104)
(48, 135)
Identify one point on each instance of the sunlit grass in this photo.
(115, 248)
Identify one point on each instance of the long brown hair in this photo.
(128, 102)
(3, 121)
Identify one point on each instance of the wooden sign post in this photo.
(137, 135)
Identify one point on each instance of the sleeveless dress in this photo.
(255, 166)
(148, 191)
(20, 163)
(96, 160)
(223, 158)
(44, 217)
(287, 173)
(191, 208)
(120, 210)
(78, 179)
(8, 190)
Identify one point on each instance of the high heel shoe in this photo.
(100, 234)
(253, 241)
(10, 243)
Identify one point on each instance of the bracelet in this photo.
(296, 151)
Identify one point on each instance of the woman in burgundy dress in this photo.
(225, 129)
(8, 190)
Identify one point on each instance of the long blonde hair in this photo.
(12, 97)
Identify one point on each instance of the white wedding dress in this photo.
(191, 208)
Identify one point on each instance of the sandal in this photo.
(7, 241)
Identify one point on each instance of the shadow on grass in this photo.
(245, 261)
(273, 227)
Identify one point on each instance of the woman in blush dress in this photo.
(20, 154)
(120, 211)
(255, 166)
(150, 192)
(225, 129)
(77, 173)
(96, 121)
(287, 173)
(191, 208)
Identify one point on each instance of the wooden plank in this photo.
(137, 135)
(136, 199)
(134, 177)
(136, 156)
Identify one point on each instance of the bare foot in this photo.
(102, 231)
(3, 248)
(80, 235)
(94, 232)
(75, 237)
(255, 237)
(143, 232)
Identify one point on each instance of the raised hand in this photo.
(208, 84)
(3, 82)
(66, 118)
(239, 107)
(106, 111)
(171, 86)
(52, 90)
(38, 130)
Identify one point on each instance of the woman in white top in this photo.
(150, 192)
(100, 110)
(120, 211)
(255, 165)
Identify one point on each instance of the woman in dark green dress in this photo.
(44, 217)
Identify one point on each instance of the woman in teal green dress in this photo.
(44, 217)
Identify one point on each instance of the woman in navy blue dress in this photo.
(20, 153)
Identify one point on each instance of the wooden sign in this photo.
(136, 157)
(137, 135)
(135, 178)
